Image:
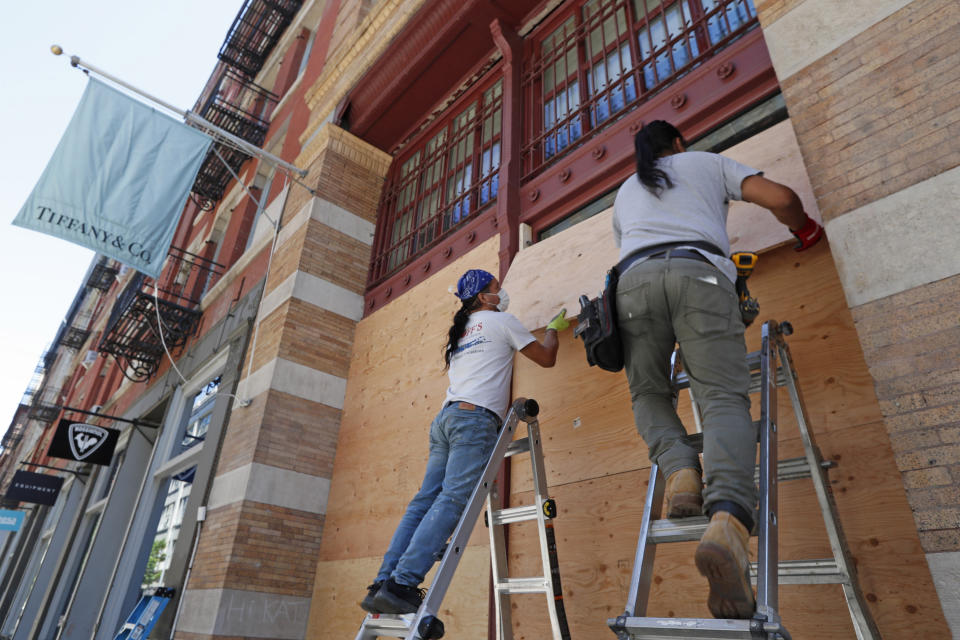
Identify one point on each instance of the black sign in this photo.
(83, 442)
(38, 488)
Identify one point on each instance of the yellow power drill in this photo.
(745, 262)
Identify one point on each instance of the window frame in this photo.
(409, 224)
(695, 17)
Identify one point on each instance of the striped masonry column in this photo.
(256, 557)
(871, 86)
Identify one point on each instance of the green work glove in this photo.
(559, 322)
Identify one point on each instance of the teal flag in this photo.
(119, 179)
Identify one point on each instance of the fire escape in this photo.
(151, 317)
(232, 100)
(103, 275)
(238, 105)
(43, 400)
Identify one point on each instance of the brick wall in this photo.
(881, 112)
(911, 341)
(268, 502)
(771, 10)
(351, 15)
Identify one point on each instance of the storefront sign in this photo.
(83, 442)
(38, 488)
(10, 520)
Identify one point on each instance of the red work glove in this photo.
(807, 235)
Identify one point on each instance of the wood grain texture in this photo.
(802, 288)
(553, 273)
(335, 610)
(395, 387)
(597, 465)
(596, 539)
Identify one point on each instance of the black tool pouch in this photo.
(597, 327)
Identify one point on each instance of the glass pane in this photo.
(489, 163)
(562, 107)
(729, 18)
(200, 415)
(168, 528)
(557, 63)
(643, 7)
(457, 186)
(669, 25)
(607, 80)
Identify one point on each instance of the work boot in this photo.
(723, 559)
(684, 496)
(398, 598)
(367, 603)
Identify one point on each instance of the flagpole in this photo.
(188, 116)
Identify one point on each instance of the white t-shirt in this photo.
(694, 209)
(481, 367)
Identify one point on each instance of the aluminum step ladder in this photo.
(424, 624)
(768, 573)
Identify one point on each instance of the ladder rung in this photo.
(677, 530)
(389, 625)
(523, 585)
(753, 361)
(687, 628)
(823, 571)
(517, 446)
(788, 469)
(515, 514)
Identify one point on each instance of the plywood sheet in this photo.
(776, 153)
(395, 387)
(598, 522)
(553, 273)
(586, 418)
(341, 584)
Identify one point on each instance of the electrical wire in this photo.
(156, 307)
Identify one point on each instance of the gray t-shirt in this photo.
(694, 209)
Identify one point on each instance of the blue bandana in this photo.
(473, 282)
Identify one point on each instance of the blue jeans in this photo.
(460, 445)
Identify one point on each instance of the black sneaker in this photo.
(367, 603)
(398, 598)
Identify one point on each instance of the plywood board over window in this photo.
(555, 272)
(597, 470)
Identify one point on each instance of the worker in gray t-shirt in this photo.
(677, 286)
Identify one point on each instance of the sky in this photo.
(167, 49)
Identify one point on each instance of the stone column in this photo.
(256, 557)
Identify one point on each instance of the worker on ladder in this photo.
(479, 360)
(677, 286)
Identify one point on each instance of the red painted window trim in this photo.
(737, 75)
(402, 235)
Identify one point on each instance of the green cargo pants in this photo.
(661, 301)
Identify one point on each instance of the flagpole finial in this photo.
(56, 50)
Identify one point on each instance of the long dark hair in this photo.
(460, 319)
(651, 141)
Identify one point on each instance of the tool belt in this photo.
(597, 320)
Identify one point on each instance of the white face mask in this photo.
(504, 300)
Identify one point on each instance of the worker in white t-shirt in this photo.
(677, 286)
(479, 361)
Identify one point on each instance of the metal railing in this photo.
(255, 31)
(147, 308)
(608, 57)
(448, 180)
(241, 107)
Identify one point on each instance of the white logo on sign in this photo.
(85, 439)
